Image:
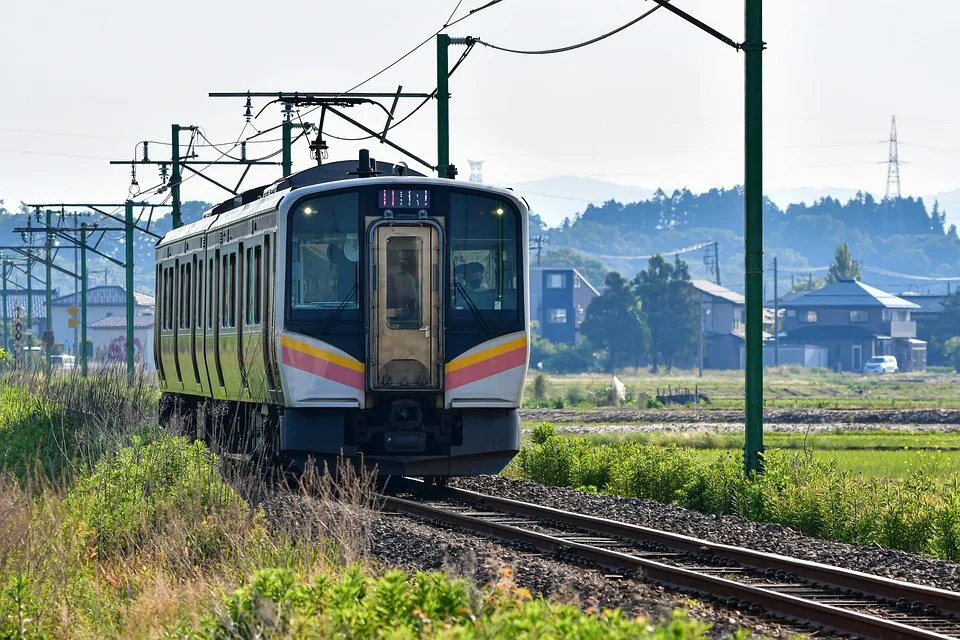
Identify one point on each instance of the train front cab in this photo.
(405, 338)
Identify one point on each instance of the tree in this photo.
(805, 285)
(844, 267)
(614, 321)
(938, 333)
(672, 308)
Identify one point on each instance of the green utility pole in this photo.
(48, 299)
(128, 241)
(443, 107)
(83, 299)
(753, 235)
(287, 162)
(29, 302)
(6, 334)
(175, 174)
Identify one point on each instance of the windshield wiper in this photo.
(339, 308)
(473, 308)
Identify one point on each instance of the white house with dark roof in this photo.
(109, 338)
(102, 302)
(856, 322)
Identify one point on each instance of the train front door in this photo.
(405, 314)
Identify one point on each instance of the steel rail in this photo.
(822, 574)
(788, 606)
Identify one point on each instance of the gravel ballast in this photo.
(391, 540)
(731, 530)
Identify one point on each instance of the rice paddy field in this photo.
(784, 387)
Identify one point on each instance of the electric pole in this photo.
(753, 46)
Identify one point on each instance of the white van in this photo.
(881, 364)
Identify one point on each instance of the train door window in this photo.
(404, 286)
(324, 251)
(484, 237)
(267, 275)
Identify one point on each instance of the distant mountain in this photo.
(565, 196)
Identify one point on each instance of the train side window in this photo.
(249, 282)
(484, 237)
(170, 299)
(200, 294)
(187, 321)
(267, 274)
(211, 276)
(257, 280)
(225, 293)
(233, 289)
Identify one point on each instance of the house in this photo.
(931, 305)
(724, 324)
(102, 302)
(109, 338)
(559, 298)
(856, 322)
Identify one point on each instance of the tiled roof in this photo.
(140, 321)
(715, 290)
(19, 299)
(104, 296)
(849, 294)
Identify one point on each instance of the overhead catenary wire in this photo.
(422, 104)
(579, 45)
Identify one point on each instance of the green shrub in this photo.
(540, 387)
(133, 493)
(575, 396)
(542, 432)
(280, 604)
(558, 402)
(652, 402)
(811, 495)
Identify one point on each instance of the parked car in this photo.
(64, 362)
(881, 364)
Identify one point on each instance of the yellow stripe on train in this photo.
(486, 354)
(323, 354)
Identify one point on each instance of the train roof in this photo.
(345, 173)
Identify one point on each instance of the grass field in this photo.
(892, 454)
(878, 488)
(784, 387)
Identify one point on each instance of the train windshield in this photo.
(484, 235)
(324, 254)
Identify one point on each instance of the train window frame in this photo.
(350, 315)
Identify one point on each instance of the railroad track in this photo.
(832, 598)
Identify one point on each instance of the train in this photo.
(357, 309)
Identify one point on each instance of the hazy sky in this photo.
(657, 105)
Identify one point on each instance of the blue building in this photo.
(559, 297)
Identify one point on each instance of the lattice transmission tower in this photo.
(476, 171)
(893, 164)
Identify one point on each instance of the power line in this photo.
(540, 52)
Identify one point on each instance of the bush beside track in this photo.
(918, 513)
(110, 527)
